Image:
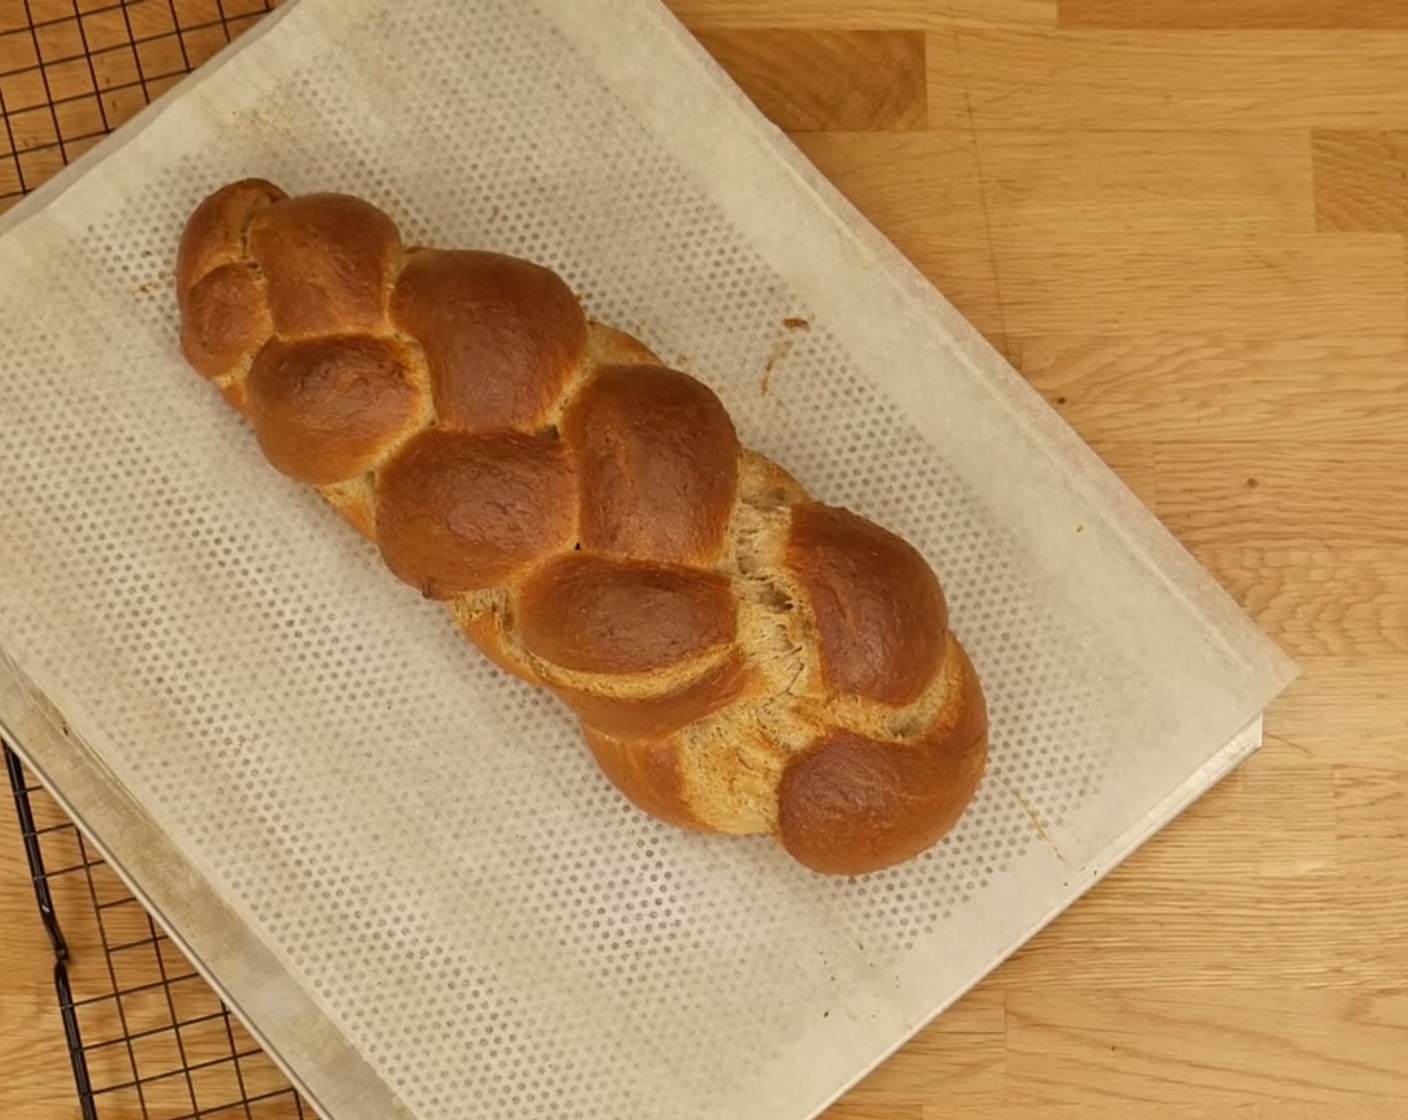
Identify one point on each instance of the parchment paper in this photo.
(400, 867)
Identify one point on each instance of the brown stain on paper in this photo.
(780, 349)
(1035, 820)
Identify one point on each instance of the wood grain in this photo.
(863, 14)
(1059, 183)
(1239, 15)
(1165, 1045)
(36, 1081)
(1191, 388)
(1292, 496)
(1260, 287)
(1321, 601)
(1183, 221)
(873, 80)
(914, 186)
(1016, 78)
(1361, 181)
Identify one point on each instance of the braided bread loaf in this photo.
(742, 659)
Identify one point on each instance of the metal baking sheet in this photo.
(401, 868)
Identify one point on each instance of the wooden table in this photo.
(1184, 221)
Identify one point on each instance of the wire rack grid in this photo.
(147, 1037)
(71, 71)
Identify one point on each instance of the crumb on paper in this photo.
(794, 323)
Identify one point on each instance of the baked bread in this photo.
(742, 659)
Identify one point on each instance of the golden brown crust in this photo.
(226, 320)
(328, 260)
(457, 511)
(658, 461)
(742, 659)
(649, 776)
(850, 804)
(606, 346)
(879, 612)
(330, 409)
(501, 336)
(592, 615)
(215, 232)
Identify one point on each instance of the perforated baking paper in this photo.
(403, 868)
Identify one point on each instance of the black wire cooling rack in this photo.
(73, 70)
(146, 1036)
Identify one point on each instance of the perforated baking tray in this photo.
(242, 710)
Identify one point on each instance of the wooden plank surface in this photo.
(1183, 220)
